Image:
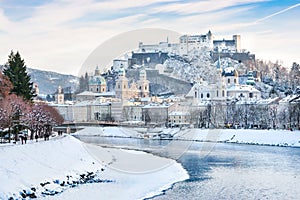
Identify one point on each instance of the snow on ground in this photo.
(25, 166)
(59, 166)
(137, 175)
(243, 136)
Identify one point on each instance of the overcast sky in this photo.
(59, 35)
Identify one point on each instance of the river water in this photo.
(224, 171)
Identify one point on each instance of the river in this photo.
(224, 171)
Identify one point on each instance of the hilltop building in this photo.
(188, 43)
(233, 45)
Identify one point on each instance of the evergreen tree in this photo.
(16, 71)
(84, 83)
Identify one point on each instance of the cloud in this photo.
(202, 6)
(58, 35)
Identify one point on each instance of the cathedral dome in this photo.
(97, 80)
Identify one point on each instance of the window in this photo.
(207, 95)
(145, 87)
(223, 93)
(250, 95)
(228, 81)
(217, 93)
(201, 96)
(195, 94)
(235, 81)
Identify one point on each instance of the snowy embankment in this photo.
(66, 168)
(107, 132)
(243, 136)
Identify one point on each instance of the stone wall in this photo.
(160, 82)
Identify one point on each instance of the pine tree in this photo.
(16, 71)
(84, 83)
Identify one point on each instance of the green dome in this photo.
(97, 80)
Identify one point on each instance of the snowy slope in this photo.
(26, 166)
(65, 168)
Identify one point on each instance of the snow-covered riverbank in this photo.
(69, 169)
(243, 136)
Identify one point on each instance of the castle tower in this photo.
(60, 99)
(143, 84)
(237, 39)
(122, 90)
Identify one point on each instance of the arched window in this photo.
(223, 93)
(207, 95)
(229, 80)
(235, 81)
(195, 94)
(217, 93)
(201, 95)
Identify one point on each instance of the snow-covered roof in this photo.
(156, 105)
(88, 93)
(179, 113)
(268, 101)
(289, 98)
(243, 88)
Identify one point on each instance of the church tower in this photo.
(122, 90)
(60, 99)
(143, 84)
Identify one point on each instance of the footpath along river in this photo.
(224, 171)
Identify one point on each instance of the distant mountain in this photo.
(48, 81)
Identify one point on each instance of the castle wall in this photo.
(174, 85)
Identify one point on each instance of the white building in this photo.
(179, 119)
(227, 87)
(189, 43)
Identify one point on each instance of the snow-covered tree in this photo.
(41, 119)
(13, 110)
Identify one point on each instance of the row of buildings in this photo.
(216, 103)
(131, 101)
